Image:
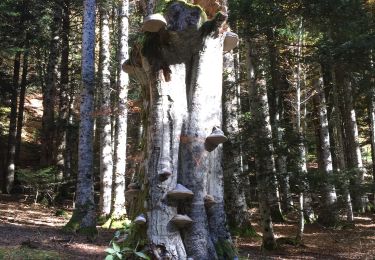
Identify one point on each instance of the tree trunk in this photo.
(264, 161)
(276, 118)
(301, 149)
(13, 126)
(328, 215)
(183, 103)
(84, 217)
(62, 121)
(372, 117)
(336, 129)
(49, 92)
(21, 105)
(353, 151)
(106, 163)
(118, 208)
(235, 200)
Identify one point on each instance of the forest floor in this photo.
(23, 224)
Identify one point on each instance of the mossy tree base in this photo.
(75, 226)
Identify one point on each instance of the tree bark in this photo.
(277, 119)
(264, 161)
(49, 92)
(183, 104)
(106, 162)
(11, 167)
(84, 217)
(62, 120)
(21, 105)
(353, 151)
(118, 208)
(328, 215)
(336, 132)
(235, 200)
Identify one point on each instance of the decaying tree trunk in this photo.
(183, 60)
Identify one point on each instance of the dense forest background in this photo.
(298, 111)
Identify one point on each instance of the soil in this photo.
(36, 226)
(23, 223)
(347, 242)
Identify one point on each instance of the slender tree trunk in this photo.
(84, 217)
(353, 151)
(328, 215)
(13, 126)
(372, 116)
(235, 200)
(62, 120)
(118, 209)
(276, 119)
(49, 92)
(106, 163)
(265, 165)
(336, 132)
(301, 161)
(21, 105)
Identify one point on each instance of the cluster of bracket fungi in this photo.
(154, 23)
(180, 192)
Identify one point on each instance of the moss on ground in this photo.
(112, 223)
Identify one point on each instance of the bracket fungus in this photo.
(140, 220)
(180, 192)
(181, 220)
(132, 192)
(133, 186)
(153, 23)
(230, 41)
(214, 139)
(165, 174)
(209, 200)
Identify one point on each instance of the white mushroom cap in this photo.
(230, 41)
(153, 23)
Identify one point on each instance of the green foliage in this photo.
(42, 182)
(62, 213)
(37, 178)
(116, 223)
(128, 242)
